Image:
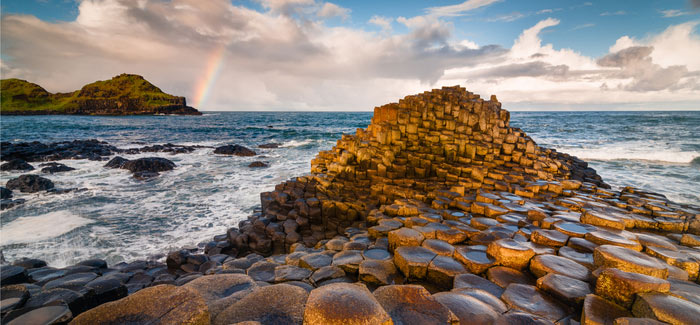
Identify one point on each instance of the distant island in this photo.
(125, 94)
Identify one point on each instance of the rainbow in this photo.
(205, 83)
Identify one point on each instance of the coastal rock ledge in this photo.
(438, 213)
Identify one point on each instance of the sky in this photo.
(352, 55)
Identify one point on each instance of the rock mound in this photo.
(236, 150)
(30, 184)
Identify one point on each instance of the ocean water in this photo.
(118, 218)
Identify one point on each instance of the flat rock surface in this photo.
(344, 303)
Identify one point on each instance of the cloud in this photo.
(459, 9)
(674, 13)
(589, 25)
(507, 18)
(329, 10)
(383, 22)
(616, 13)
(285, 57)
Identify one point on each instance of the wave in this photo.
(42, 227)
(661, 156)
(296, 143)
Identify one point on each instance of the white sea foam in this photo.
(296, 143)
(42, 227)
(622, 153)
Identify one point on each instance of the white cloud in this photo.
(616, 13)
(286, 57)
(383, 22)
(674, 13)
(459, 9)
(507, 18)
(330, 10)
(582, 26)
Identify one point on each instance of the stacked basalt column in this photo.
(447, 138)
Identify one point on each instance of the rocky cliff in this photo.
(124, 94)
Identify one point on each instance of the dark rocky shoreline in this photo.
(438, 212)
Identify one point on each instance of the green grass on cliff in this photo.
(20, 95)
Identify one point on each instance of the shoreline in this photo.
(381, 209)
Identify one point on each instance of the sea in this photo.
(119, 218)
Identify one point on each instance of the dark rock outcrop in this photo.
(16, 164)
(5, 193)
(257, 164)
(236, 150)
(116, 162)
(37, 151)
(30, 184)
(52, 168)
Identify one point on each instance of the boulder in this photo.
(258, 164)
(166, 304)
(666, 308)
(30, 184)
(412, 304)
(344, 303)
(621, 287)
(469, 310)
(274, 304)
(629, 260)
(116, 162)
(5, 193)
(527, 298)
(52, 168)
(220, 291)
(597, 310)
(16, 164)
(236, 150)
(151, 164)
(13, 274)
(510, 253)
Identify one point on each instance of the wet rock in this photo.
(542, 265)
(284, 273)
(569, 290)
(344, 303)
(621, 287)
(636, 321)
(16, 164)
(75, 281)
(160, 304)
(599, 218)
(30, 184)
(476, 261)
(412, 304)
(104, 290)
(29, 263)
(94, 263)
(376, 254)
(477, 282)
(468, 309)
(258, 164)
(12, 274)
(148, 165)
(549, 238)
(597, 310)
(52, 168)
(628, 260)
(5, 193)
(378, 272)
(13, 297)
(490, 300)
(262, 271)
(236, 150)
(272, 145)
(220, 291)
(510, 253)
(585, 259)
(604, 237)
(328, 273)
(76, 301)
(442, 270)
(36, 151)
(438, 246)
(413, 261)
(348, 260)
(666, 308)
(315, 261)
(57, 313)
(404, 237)
(518, 317)
(528, 298)
(504, 276)
(116, 162)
